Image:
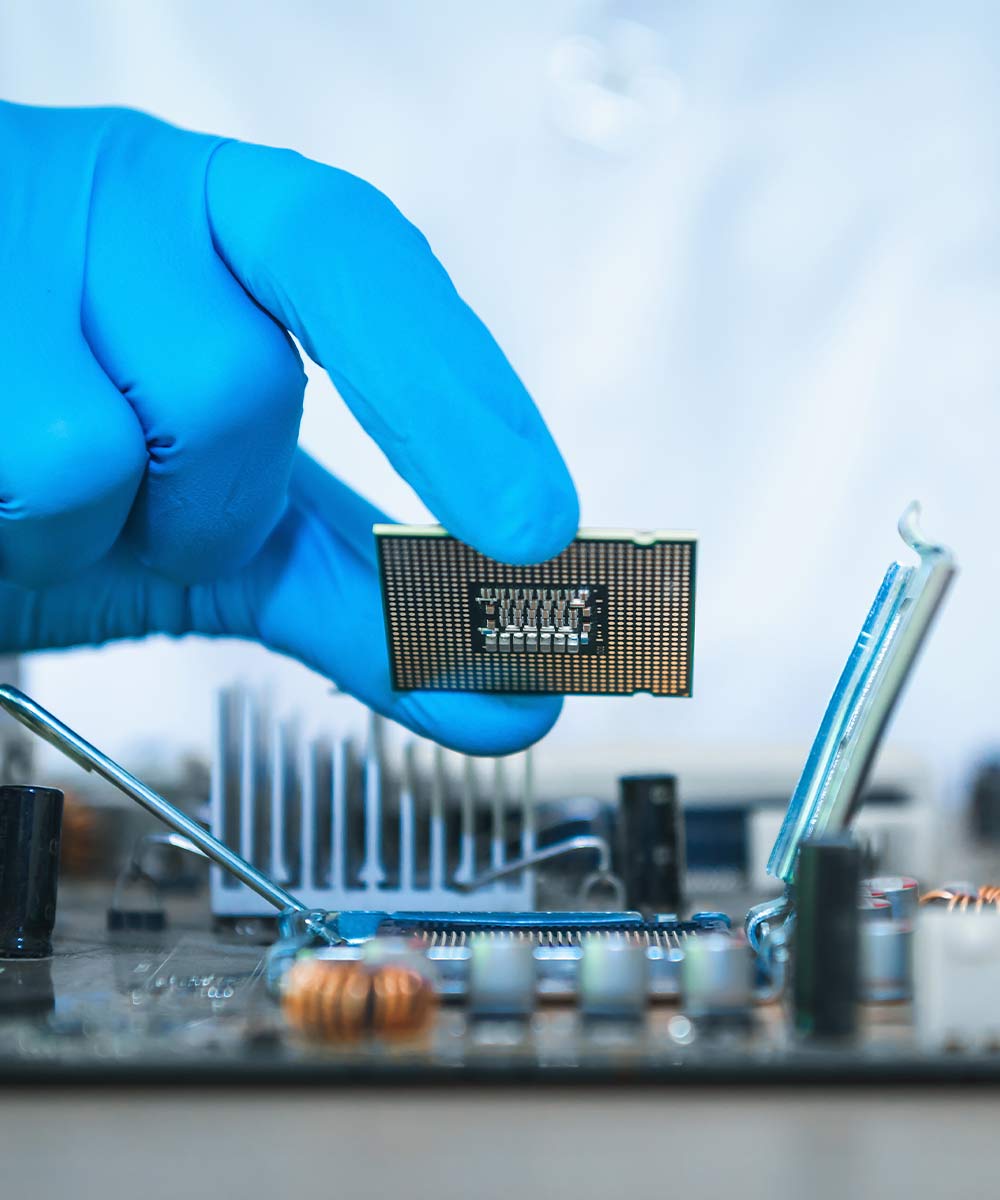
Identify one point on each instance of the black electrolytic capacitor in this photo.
(30, 828)
(651, 843)
(985, 802)
(827, 937)
(26, 989)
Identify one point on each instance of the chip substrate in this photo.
(613, 614)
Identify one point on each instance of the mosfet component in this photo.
(613, 978)
(825, 991)
(502, 976)
(717, 977)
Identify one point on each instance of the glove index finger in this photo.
(332, 259)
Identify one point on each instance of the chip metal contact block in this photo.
(612, 614)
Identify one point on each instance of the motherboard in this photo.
(323, 906)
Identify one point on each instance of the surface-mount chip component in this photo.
(612, 614)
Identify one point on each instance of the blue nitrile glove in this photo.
(149, 476)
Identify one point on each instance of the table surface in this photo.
(485, 1143)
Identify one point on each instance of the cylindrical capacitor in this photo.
(886, 962)
(30, 825)
(26, 989)
(874, 908)
(825, 992)
(717, 974)
(985, 803)
(613, 978)
(651, 843)
(902, 892)
(501, 976)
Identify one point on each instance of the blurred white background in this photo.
(744, 255)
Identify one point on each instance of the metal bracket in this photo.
(829, 790)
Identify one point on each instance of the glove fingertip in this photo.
(479, 724)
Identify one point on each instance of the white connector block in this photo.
(957, 980)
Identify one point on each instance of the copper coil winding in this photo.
(986, 896)
(347, 1001)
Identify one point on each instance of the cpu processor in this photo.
(613, 614)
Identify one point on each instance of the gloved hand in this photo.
(151, 397)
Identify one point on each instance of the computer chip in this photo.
(612, 614)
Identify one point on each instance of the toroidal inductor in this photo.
(338, 1001)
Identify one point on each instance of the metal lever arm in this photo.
(22, 708)
(582, 841)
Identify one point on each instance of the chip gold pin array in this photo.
(613, 614)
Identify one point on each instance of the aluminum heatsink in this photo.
(366, 827)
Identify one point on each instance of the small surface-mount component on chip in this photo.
(612, 614)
